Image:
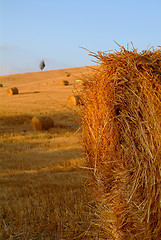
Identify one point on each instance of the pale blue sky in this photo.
(53, 30)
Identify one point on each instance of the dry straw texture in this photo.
(79, 86)
(42, 122)
(121, 122)
(12, 91)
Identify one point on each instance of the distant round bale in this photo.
(74, 100)
(1, 85)
(12, 91)
(42, 122)
(64, 83)
(67, 74)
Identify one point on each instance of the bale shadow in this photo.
(32, 160)
(23, 93)
(63, 122)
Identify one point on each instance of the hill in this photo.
(43, 194)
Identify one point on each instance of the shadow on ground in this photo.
(23, 93)
(67, 122)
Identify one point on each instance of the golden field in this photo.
(80, 150)
(43, 188)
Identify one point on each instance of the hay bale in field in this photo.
(12, 91)
(42, 122)
(64, 83)
(1, 85)
(67, 74)
(121, 123)
(74, 100)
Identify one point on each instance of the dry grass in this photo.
(44, 205)
(43, 190)
(79, 86)
(121, 126)
(45, 194)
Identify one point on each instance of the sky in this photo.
(56, 31)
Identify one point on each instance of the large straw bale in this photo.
(12, 91)
(42, 122)
(121, 123)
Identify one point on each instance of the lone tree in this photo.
(42, 65)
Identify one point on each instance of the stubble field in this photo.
(43, 188)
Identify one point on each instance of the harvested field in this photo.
(49, 191)
(43, 193)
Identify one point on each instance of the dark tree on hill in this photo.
(42, 65)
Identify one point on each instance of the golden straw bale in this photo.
(12, 91)
(73, 100)
(42, 122)
(1, 85)
(67, 74)
(121, 124)
(64, 83)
